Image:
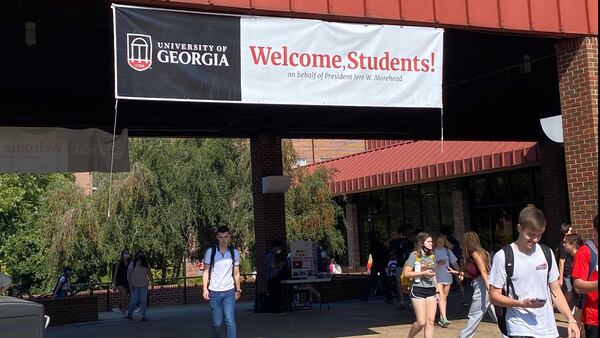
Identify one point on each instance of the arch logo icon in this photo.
(139, 51)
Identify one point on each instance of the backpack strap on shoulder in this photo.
(213, 252)
(548, 254)
(509, 266)
(232, 253)
(593, 257)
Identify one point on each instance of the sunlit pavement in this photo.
(344, 319)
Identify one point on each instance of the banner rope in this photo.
(442, 127)
(112, 157)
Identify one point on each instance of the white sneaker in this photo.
(116, 309)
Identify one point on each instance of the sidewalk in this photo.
(344, 319)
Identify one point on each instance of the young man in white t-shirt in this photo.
(221, 282)
(530, 313)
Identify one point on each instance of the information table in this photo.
(296, 292)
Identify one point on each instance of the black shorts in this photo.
(418, 292)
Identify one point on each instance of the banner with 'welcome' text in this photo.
(186, 56)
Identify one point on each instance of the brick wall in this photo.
(84, 181)
(162, 295)
(458, 211)
(85, 307)
(352, 234)
(316, 150)
(374, 144)
(577, 61)
(554, 191)
(269, 209)
(343, 287)
(71, 310)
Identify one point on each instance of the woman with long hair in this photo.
(444, 259)
(120, 282)
(139, 281)
(420, 268)
(478, 265)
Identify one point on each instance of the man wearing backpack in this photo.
(221, 282)
(585, 276)
(524, 283)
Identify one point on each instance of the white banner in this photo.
(44, 150)
(205, 57)
(294, 61)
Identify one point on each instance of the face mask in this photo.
(278, 251)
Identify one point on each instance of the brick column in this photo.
(460, 211)
(577, 61)
(352, 233)
(269, 209)
(554, 191)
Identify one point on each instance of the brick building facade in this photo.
(577, 61)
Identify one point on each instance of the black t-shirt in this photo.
(380, 255)
(562, 253)
(403, 248)
(395, 245)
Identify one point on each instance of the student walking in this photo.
(444, 259)
(139, 279)
(222, 282)
(424, 296)
(403, 247)
(571, 244)
(585, 281)
(377, 274)
(528, 272)
(478, 264)
(63, 285)
(565, 261)
(454, 245)
(119, 281)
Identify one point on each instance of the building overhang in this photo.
(425, 161)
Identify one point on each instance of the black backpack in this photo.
(509, 262)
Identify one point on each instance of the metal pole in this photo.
(184, 281)
(108, 298)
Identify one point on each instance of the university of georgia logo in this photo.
(139, 51)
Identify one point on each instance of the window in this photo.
(380, 206)
(478, 191)
(447, 204)
(522, 187)
(413, 209)
(499, 190)
(429, 205)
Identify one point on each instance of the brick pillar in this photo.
(352, 233)
(554, 191)
(460, 211)
(269, 209)
(577, 61)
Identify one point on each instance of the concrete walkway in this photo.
(344, 319)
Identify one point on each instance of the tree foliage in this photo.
(168, 205)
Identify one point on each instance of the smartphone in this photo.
(540, 300)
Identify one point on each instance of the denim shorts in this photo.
(418, 292)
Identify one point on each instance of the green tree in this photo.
(23, 206)
(311, 212)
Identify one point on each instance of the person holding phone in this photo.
(420, 268)
(534, 283)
